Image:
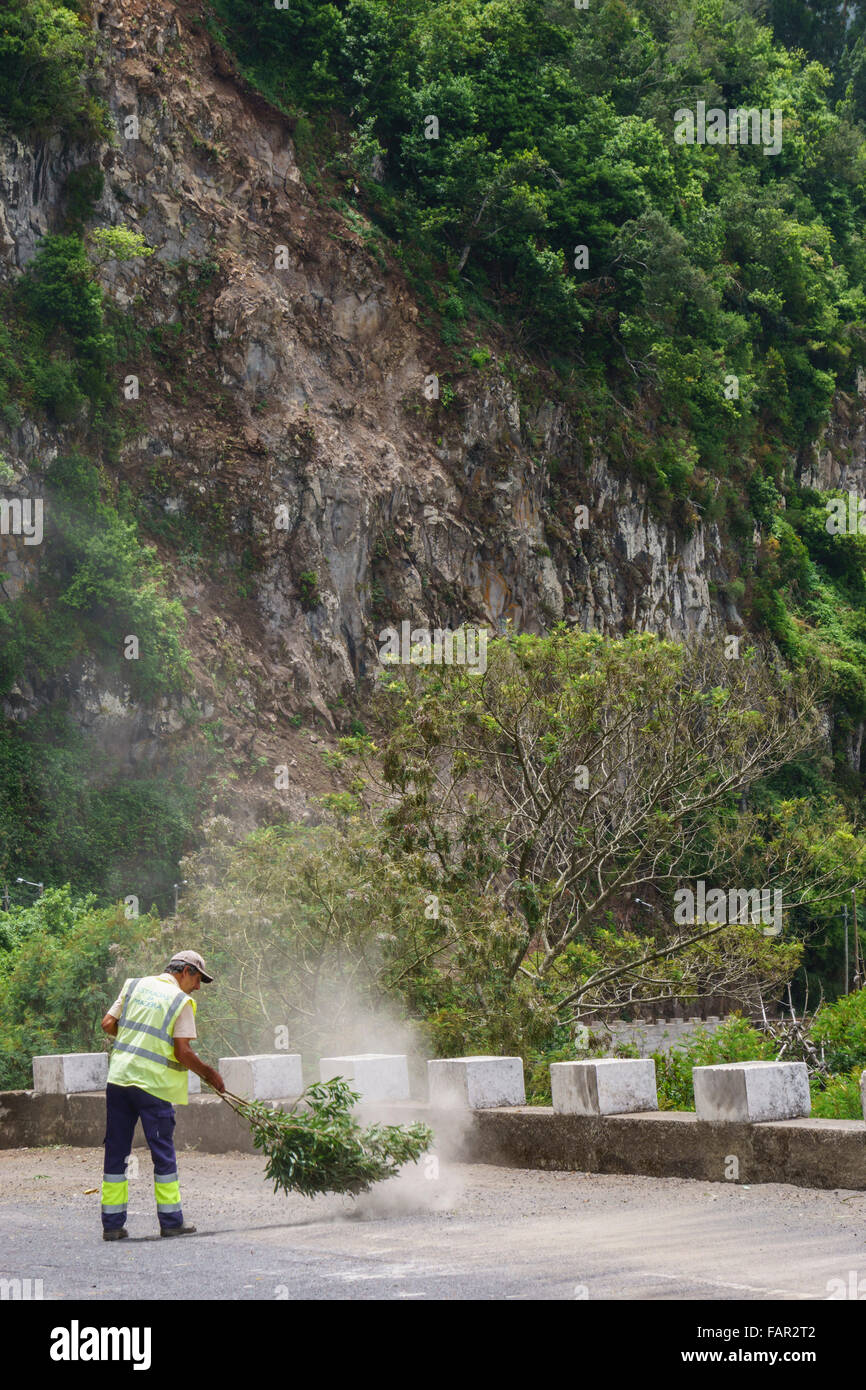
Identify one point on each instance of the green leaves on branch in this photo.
(322, 1147)
(580, 774)
(47, 56)
(119, 244)
(722, 287)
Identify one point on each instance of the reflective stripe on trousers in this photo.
(166, 1190)
(115, 1194)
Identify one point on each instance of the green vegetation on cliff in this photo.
(699, 306)
(47, 54)
(94, 585)
(508, 133)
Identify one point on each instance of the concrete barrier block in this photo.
(68, 1072)
(475, 1083)
(604, 1086)
(267, 1076)
(377, 1075)
(752, 1091)
(194, 1084)
(863, 1093)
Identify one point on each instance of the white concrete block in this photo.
(63, 1074)
(475, 1083)
(604, 1086)
(377, 1075)
(267, 1076)
(752, 1091)
(195, 1084)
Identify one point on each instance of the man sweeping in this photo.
(153, 1022)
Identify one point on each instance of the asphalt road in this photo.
(471, 1232)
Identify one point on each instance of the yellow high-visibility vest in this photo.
(143, 1052)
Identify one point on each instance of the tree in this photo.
(578, 775)
(311, 929)
(59, 289)
(61, 964)
(119, 243)
(46, 56)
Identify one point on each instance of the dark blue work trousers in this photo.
(125, 1106)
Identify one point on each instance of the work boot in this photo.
(115, 1235)
(183, 1230)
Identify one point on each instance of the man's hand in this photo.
(187, 1058)
(109, 1025)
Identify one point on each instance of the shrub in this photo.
(735, 1040)
(60, 967)
(46, 57)
(840, 1029)
(103, 585)
(308, 587)
(119, 244)
(57, 823)
(837, 1097)
(60, 292)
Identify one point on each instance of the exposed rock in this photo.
(296, 405)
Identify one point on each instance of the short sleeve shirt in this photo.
(185, 1025)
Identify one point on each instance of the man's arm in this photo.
(189, 1059)
(110, 1021)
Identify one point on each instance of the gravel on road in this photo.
(439, 1231)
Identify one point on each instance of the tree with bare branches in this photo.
(579, 782)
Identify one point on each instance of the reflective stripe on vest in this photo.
(150, 1009)
(151, 1056)
(129, 989)
(163, 1032)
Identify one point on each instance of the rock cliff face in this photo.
(289, 401)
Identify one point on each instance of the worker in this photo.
(153, 1022)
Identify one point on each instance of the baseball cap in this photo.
(191, 958)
